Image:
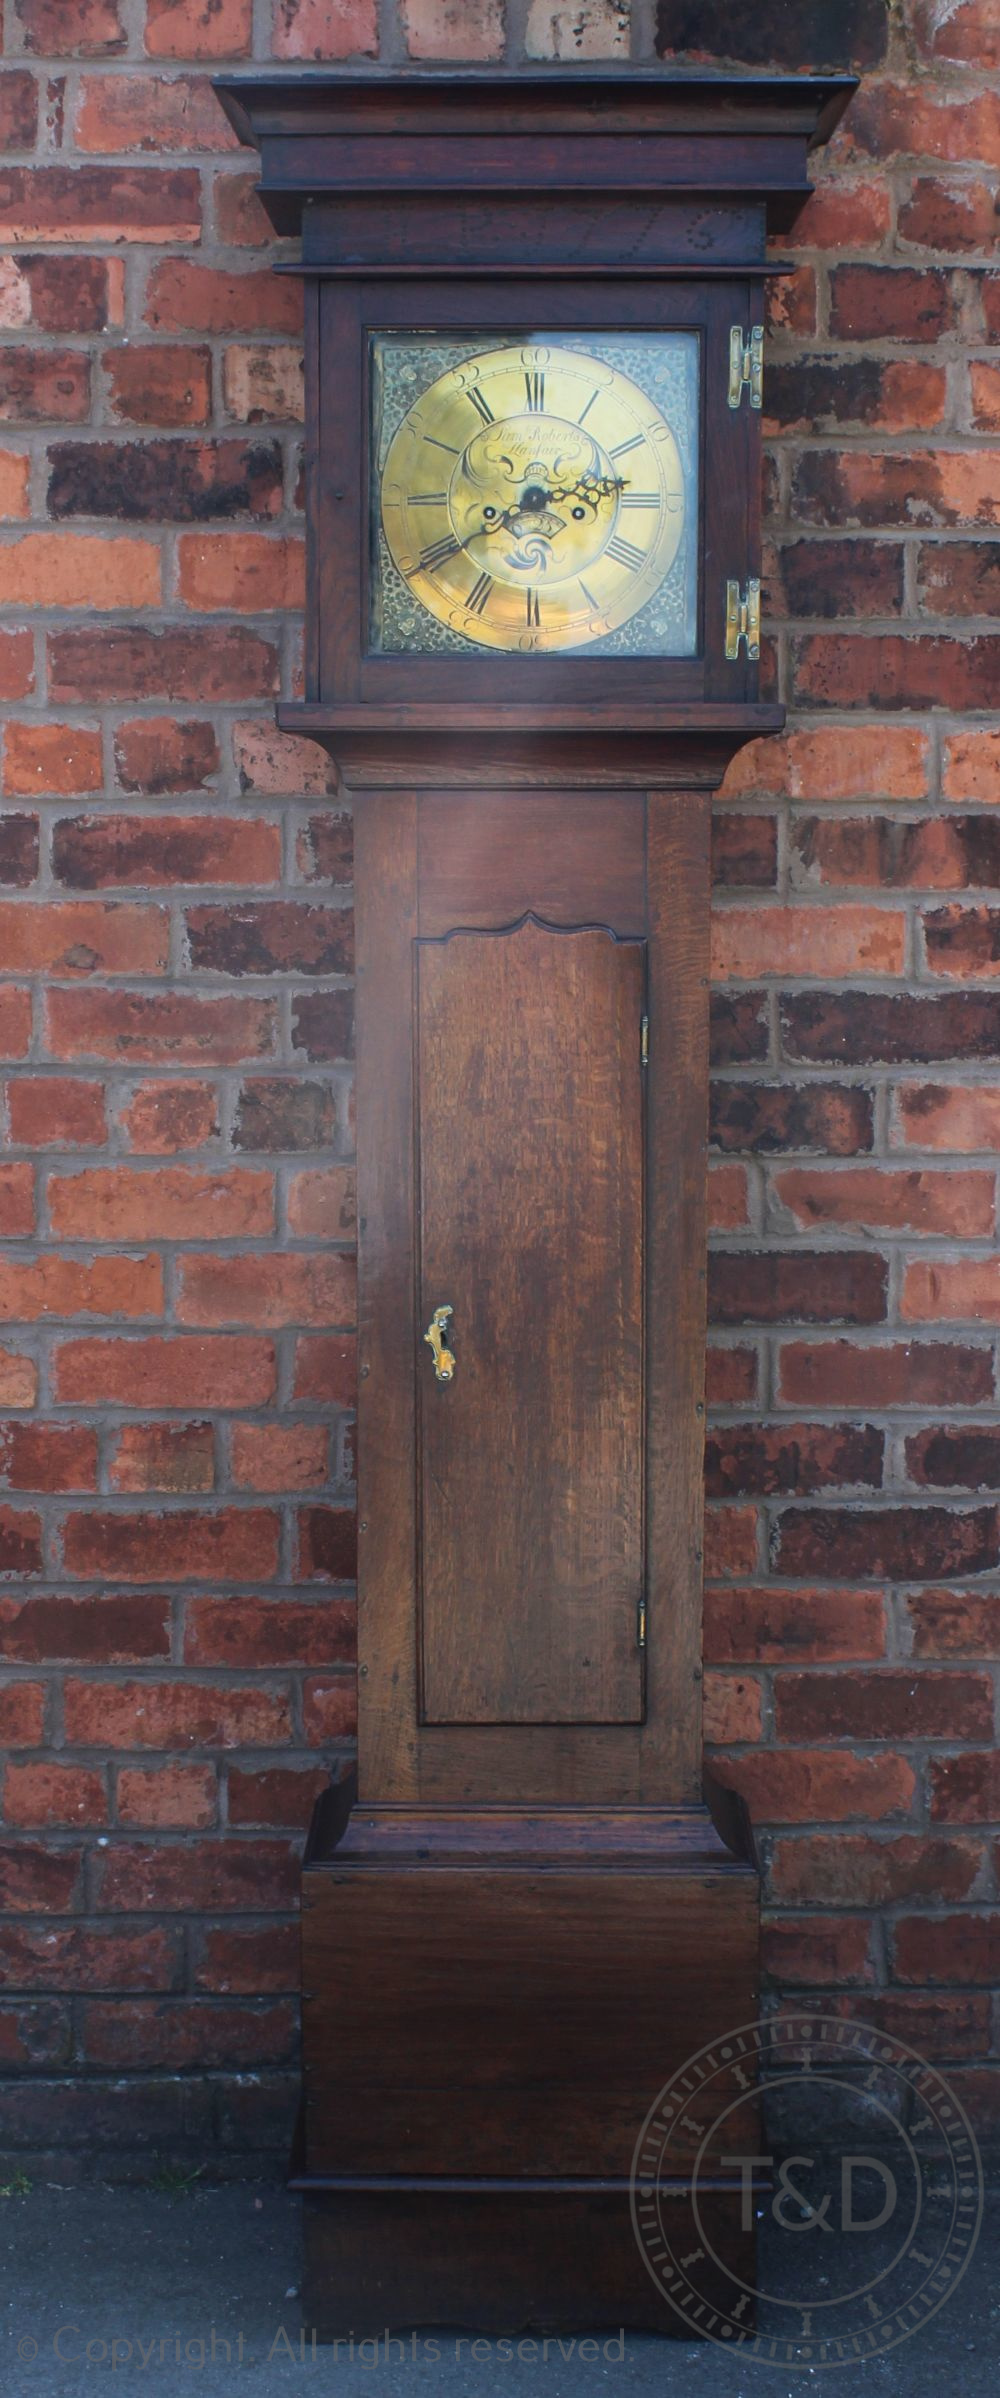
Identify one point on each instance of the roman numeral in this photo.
(479, 594)
(442, 445)
(624, 447)
(428, 499)
(481, 406)
(585, 412)
(438, 552)
(625, 553)
(534, 384)
(531, 605)
(640, 499)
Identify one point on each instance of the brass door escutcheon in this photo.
(444, 1363)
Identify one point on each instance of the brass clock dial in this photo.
(533, 498)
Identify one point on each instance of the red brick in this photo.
(93, 1956)
(113, 204)
(456, 29)
(150, 482)
(832, 579)
(19, 850)
(158, 754)
(958, 578)
(326, 1369)
(851, 215)
(874, 1200)
(22, 1713)
(818, 1950)
(898, 1544)
(150, 112)
(260, 1875)
(765, 1459)
(936, 2026)
(955, 1623)
(731, 1376)
(886, 1705)
(306, 1289)
(17, 677)
(854, 1027)
(47, 1457)
(938, 1291)
(731, 1709)
(247, 1957)
(946, 1948)
(231, 1546)
(62, 295)
(984, 378)
(731, 1538)
(967, 32)
(199, 28)
(284, 1795)
(841, 1869)
(163, 1117)
(70, 1286)
(171, 1203)
(176, 2034)
(184, 296)
(220, 1370)
(126, 662)
(83, 937)
(114, 1630)
(17, 1201)
(327, 1544)
(159, 386)
(167, 1797)
(963, 942)
(36, 1880)
(78, 570)
(20, 1542)
(285, 1115)
(168, 1028)
(280, 1456)
(329, 1709)
(14, 474)
(965, 1790)
(937, 853)
(825, 1286)
(955, 216)
(252, 572)
(90, 852)
(321, 29)
(325, 847)
(954, 1457)
(34, 2032)
(791, 302)
(72, 28)
(321, 1203)
(845, 940)
(832, 1118)
(277, 936)
(241, 221)
(728, 1199)
(890, 303)
(752, 1624)
(922, 120)
(18, 1379)
(281, 765)
(323, 1025)
(269, 1633)
(174, 1715)
(42, 386)
(174, 1457)
(262, 383)
(836, 1373)
(897, 488)
(53, 1793)
(52, 1111)
(889, 670)
(18, 110)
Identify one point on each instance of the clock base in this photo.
(492, 2002)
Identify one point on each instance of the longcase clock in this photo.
(533, 399)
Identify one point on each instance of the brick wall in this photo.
(175, 1024)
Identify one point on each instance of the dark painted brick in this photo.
(862, 1027)
(825, 1286)
(832, 1119)
(154, 482)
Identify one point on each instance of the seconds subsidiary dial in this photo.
(533, 498)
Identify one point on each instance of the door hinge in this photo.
(640, 1625)
(743, 618)
(746, 365)
(644, 1041)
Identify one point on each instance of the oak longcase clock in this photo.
(533, 376)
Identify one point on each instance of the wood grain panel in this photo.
(574, 857)
(530, 1131)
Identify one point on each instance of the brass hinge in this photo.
(743, 618)
(644, 1041)
(640, 1628)
(746, 365)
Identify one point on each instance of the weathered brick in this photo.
(176, 2034)
(15, 501)
(323, 1025)
(72, 28)
(19, 851)
(329, 1708)
(262, 383)
(268, 1633)
(853, 1868)
(18, 110)
(91, 203)
(18, 1379)
(277, 936)
(935, 853)
(801, 1286)
(946, 1948)
(836, 1373)
(899, 1544)
(954, 1457)
(744, 850)
(60, 295)
(159, 386)
(40, 387)
(172, 1457)
(233, 1956)
(175, 1715)
(251, 572)
(284, 1116)
(326, 1369)
(327, 1545)
(153, 482)
(199, 1874)
(954, 1623)
(891, 303)
(211, 1370)
(162, 1117)
(160, 754)
(22, 1714)
(115, 1629)
(91, 1956)
(565, 29)
(862, 1027)
(325, 848)
(150, 112)
(280, 1456)
(94, 852)
(198, 28)
(83, 937)
(315, 29)
(54, 1793)
(732, 1375)
(967, 32)
(965, 1789)
(883, 1705)
(835, 1119)
(170, 1027)
(79, 570)
(832, 579)
(930, 487)
(963, 942)
(823, 1785)
(47, 1457)
(39, 1881)
(167, 1797)
(962, 1117)
(284, 1795)
(789, 33)
(298, 1288)
(765, 1459)
(871, 1199)
(71, 1286)
(125, 662)
(758, 1625)
(34, 2032)
(747, 943)
(322, 1205)
(234, 1544)
(732, 1709)
(57, 758)
(185, 296)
